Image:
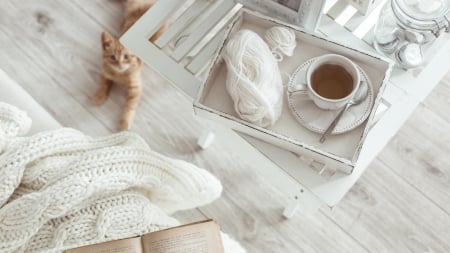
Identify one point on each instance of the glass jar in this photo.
(406, 28)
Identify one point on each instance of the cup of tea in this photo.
(332, 80)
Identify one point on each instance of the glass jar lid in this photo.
(432, 15)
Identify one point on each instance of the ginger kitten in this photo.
(122, 67)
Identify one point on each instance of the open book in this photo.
(199, 237)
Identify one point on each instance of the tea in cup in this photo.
(331, 81)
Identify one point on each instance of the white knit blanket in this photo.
(61, 189)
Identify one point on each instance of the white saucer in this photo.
(317, 119)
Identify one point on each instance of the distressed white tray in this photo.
(340, 151)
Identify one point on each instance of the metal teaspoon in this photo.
(359, 97)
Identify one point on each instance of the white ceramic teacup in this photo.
(331, 81)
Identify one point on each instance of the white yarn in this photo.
(253, 79)
(62, 189)
(281, 41)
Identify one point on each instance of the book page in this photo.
(202, 237)
(130, 245)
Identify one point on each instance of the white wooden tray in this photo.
(340, 151)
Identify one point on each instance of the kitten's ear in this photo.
(107, 39)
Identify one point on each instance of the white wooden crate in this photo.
(296, 176)
(339, 151)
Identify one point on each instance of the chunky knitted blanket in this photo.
(62, 189)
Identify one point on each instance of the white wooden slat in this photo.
(154, 18)
(198, 21)
(181, 22)
(369, 37)
(328, 5)
(222, 24)
(436, 47)
(392, 93)
(201, 59)
(371, 19)
(337, 32)
(355, 21)
(203, 29)
(313, 12)
(382, 108)
(337, 9)
(387, 126)
(168, 68)
(346, 15)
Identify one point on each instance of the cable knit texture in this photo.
(62, 189)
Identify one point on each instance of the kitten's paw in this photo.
(99, 99)
(124, 124)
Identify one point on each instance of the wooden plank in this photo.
(109, 18)
(419, 152)
(438, 100)
(386, 214)
(190, 216)
(255, 225)
(15, 95)
(44, 61)
(250, 208)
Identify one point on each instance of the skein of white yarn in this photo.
(281, 41)
(253, 78)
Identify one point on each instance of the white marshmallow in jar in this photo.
(407, 28)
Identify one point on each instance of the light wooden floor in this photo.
(401, 203)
